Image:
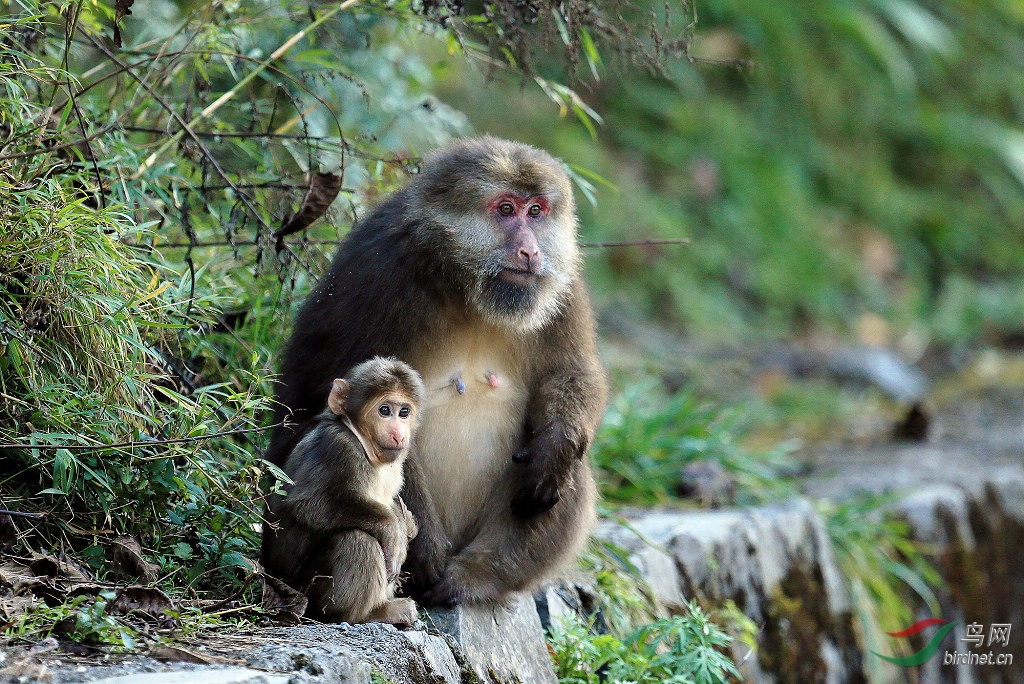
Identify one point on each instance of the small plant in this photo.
(83, 619)
(625, 598)
(681, 649)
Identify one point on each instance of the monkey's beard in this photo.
(524, 304)
(510, 299)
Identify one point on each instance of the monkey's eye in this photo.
(384, 410)
(506, 209)
(534, 210)
(403, 412)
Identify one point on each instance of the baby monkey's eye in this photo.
(535, 210)
(506, 209)
(403, 413)
(384, 410)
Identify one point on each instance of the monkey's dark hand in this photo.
(441, 595)
(540, 490)
(547, 463)
(428, 556)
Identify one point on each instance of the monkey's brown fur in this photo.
(471, 275)
(341, 532)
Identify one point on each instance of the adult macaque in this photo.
(471, 275)
(341, 532)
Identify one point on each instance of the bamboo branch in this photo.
(145, 443)
(223, 99)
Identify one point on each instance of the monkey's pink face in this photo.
(519, 218)
(391, 418)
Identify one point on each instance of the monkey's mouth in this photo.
(518, 276)
(388, 455)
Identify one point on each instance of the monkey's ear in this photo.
(338, 396)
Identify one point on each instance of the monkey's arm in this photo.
(566, 407)
(429, 550)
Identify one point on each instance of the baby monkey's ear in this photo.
(338, 397)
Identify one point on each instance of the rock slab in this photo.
(774, 562)
(502, 644)
(464, 645)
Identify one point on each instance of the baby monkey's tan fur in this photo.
(341, 532)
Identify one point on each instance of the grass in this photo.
(648, 436)
(886, 571)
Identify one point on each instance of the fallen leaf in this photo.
(18, 578)
(287, 605)
(13, 607)
(126, 558)
(323, 188)
(58, 567)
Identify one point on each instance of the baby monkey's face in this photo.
(388, 420)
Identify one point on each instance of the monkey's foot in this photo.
(427, 560)
(441, 595)
(397, 612)
(465, 582)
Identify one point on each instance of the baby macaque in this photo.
(341, 532)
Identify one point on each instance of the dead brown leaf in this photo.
(18, 578)
(323, 188)
(122, 8)
(287, 605)
(13, 607)
(58, 567)
(127, 560)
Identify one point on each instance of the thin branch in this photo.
(232, 134)
(19, 514)
(146, 443)
(62, 146)
(186, 129)
(636, 243)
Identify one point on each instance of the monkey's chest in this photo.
(472, 423)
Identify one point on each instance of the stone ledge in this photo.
(775, 563)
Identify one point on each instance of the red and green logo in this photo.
(929, 649)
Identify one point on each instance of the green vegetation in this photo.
(886, 571)
(90, 325)
(648, 437)
(683, 648)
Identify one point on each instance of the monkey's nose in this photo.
(530, 260)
